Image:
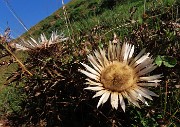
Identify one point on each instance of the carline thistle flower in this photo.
(42, 42)
(117, 75)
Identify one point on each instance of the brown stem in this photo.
(20, 63)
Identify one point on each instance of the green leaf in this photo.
(158, 60)
(169, 61)
(140, 20)
(101, 45)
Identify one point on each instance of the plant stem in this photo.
(20, 63)
(165, 102)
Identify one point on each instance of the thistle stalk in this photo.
(19, 62)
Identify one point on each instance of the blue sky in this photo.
(29, 11)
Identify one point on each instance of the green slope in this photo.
(84, 15)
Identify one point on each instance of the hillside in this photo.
(84, 16)
(55, 94)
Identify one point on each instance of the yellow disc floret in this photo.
(118, 76)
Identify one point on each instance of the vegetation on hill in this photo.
(55, 95)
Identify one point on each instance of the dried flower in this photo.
(117, 75)
(42, 42)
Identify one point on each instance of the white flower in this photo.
(42, 42)
(117, 75)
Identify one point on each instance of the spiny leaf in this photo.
(169, 61)
(158, 60)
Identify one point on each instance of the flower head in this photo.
(42, 42)
(117, 75)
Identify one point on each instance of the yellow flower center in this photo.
(118, 77)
